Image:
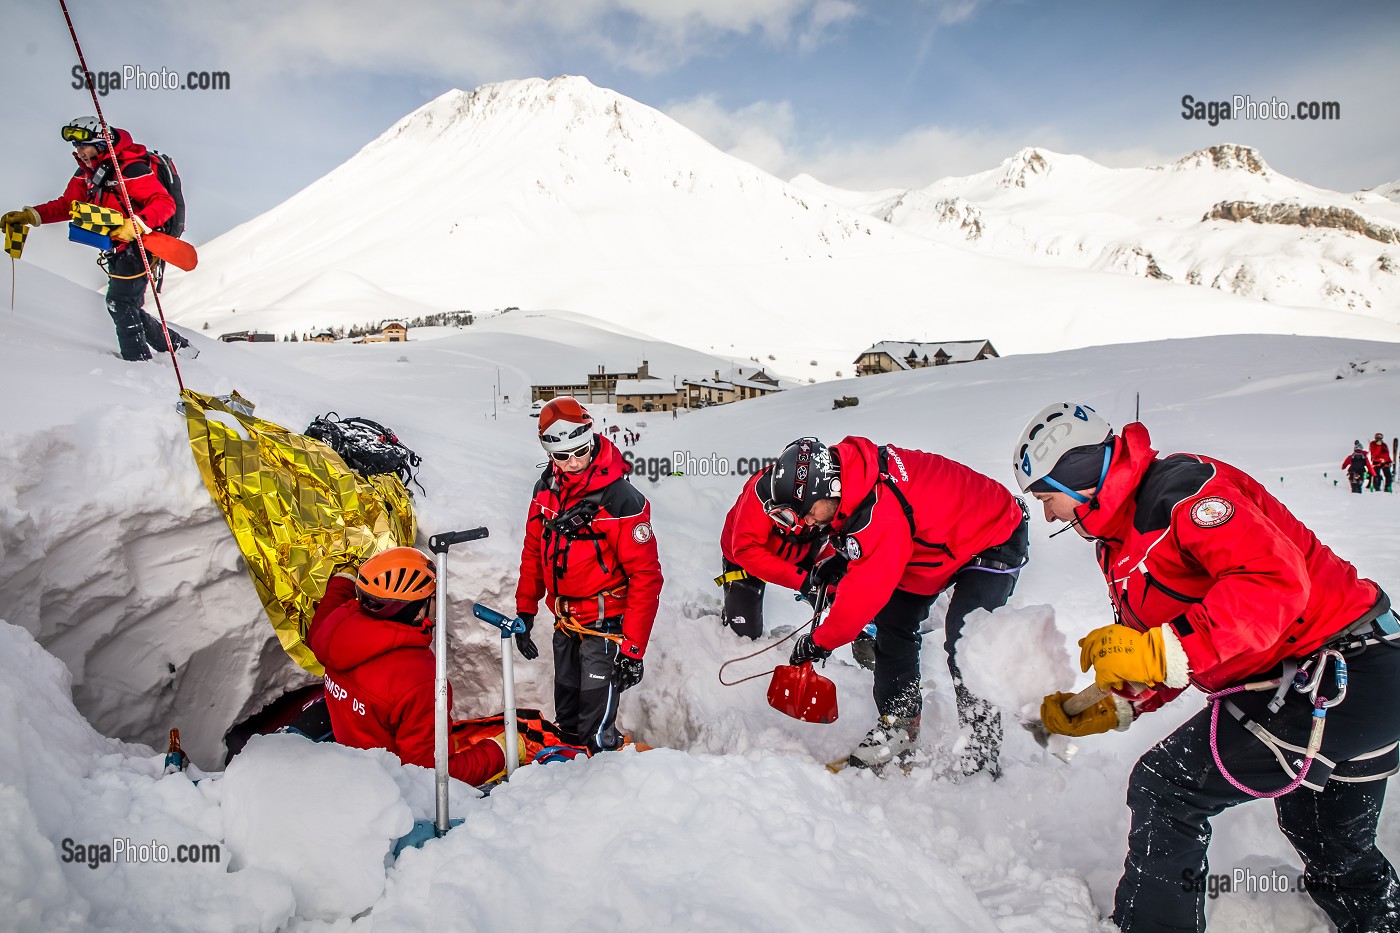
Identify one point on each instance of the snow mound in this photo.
(1013, 658)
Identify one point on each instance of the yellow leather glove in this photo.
(128, 229)
(25, 215)
(1118, 653)
(1101, 717)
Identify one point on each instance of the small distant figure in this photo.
(1358, 467)
(1382, 463)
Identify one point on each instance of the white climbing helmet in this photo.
(1054, 431)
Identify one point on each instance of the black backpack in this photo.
(169, 176)
(1358, 462)
(367, 447)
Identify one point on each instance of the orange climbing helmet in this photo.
(392, 581)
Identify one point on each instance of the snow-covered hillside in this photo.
(1220, 217)
(559, 194)
(115, 560)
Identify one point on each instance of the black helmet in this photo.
(806, 471)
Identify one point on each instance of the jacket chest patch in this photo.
(1212, 512)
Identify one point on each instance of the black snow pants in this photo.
(743, 604)
(1176, 788)
(585, 686)
(1386, 472)
(743, 599)
(137, 330)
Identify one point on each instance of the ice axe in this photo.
(439, 545)
(509, 629)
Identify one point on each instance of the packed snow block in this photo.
(321, 816)
(1014, 657)
(67, 794)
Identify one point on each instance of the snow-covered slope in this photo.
(1220, 217)
(558, 194)
(112, 556)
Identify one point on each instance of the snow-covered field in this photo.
(119, 579)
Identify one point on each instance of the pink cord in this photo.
(1215, 698)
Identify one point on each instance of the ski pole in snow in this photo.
(439, 545)
(509, 629)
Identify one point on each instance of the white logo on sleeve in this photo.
(852, 549)
(642, 533)
(1211, 512)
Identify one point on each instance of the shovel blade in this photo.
(802, 693)
(178, 253)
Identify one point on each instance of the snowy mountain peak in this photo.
(1026, 164)
(1227, 156)
(567, 102)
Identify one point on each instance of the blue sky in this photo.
(861, 95)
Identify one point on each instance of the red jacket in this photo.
(1351, 464)
(615, 553)
(1380, 453)
(152, 203)
(956, 513)
(751, 540)
(1195, 543)
(380, 683)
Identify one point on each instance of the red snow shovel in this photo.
(800, 692)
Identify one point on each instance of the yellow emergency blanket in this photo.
(298, 512)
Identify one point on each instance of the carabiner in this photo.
(1311, 682)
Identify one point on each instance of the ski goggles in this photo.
(564, 456)
(784, 516)
(82, 136)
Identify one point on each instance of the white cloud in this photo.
(767, 134)
(489, 38)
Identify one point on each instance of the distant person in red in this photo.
(905, 525)
(373, 633)
(1382, 463)
(95, 182)
(757, 552)
(1358, 467)
(589, 551)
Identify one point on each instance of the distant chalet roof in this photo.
(956, 351)
(644, 387)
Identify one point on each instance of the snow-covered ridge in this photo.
(560, 194)
(1172, 223)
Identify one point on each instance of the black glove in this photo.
(628, 671)
(825, 575)
(808, 650)
(523, 641)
